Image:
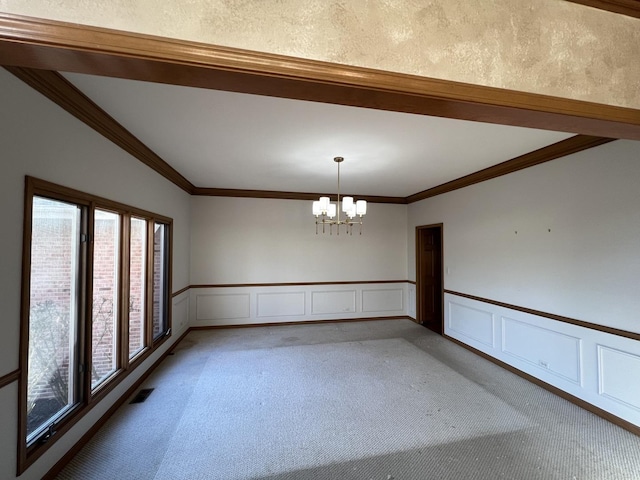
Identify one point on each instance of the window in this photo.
(106, 272)
(95, 296)
(160, 287)
(53, 312)
(137, 282)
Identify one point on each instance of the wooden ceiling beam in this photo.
(49, 45)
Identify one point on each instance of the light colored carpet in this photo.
(368, 400)
(261, 412)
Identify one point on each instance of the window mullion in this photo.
(149, 285)
(125, 280)
(88, 310)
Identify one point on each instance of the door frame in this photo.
(419, 301)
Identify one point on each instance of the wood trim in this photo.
(62, 92)
(229, 192)
(571, 145)
(630, 8)
(9, 378)
(279, 324)
(76, 196)
(291, 284)
(419, 306)
(181, 291)
(68, 456)
(51, 45)
(27, 455)
(559, 318)
(635, 429)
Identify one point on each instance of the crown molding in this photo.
(229, 192)
(59, 90)
(630, 8)
(565, 147)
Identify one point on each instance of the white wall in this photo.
(249, 241)
(38, 138)
(587, 267)
(576, 253)
(245, 240)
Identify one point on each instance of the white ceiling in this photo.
(232, 140)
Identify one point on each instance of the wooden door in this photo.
(429, 292)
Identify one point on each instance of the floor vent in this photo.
(142, 395)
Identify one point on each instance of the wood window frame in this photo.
(87, 398)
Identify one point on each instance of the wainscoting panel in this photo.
(411, 302)
(543, 348)
(596, 366)
(323, 303)
(213, 305)
(471, 322)
(378, 300)
(222, 306)
(280, 304)
(180, 312)
(619, 376)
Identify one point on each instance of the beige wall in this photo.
(551, 47)
(248, 240)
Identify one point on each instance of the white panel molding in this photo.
(333, 301)
(382, 300)
(284, 304)
(281, 303)
(474, 323)
(601, 368)
(549, 350)
(619, 376)
(180, 312)
(411, 302)
(222, 306)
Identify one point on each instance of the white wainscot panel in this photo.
(471, 322)
(546, 349)
(333, 302)
(219, 306)
(411, 307)
(619, 376)
(285, 304)
(390, 300)
(180, 313)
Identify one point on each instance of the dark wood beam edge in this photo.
(542, 155)
(46, 44)
(552, 316)
(59, 90)
(9, 378)
(630, 8)
(229, 192)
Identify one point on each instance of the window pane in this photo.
(105, 296)
(137, 274)
(160, 278)
(55, 239)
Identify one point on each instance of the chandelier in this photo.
(326, 212)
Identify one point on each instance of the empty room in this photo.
(295, 240)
